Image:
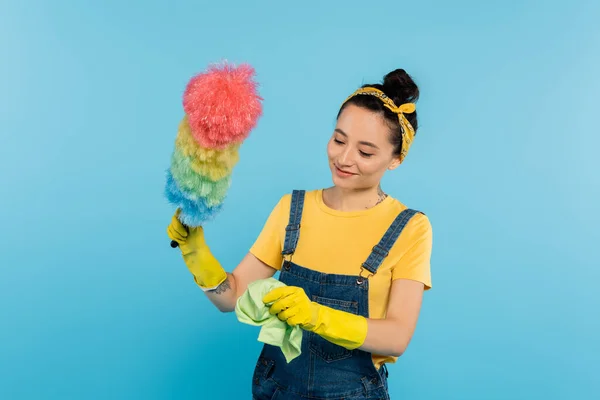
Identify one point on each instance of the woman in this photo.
(355, 261)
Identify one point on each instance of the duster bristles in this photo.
(214, 163)
(194, 211)
(221, 108)
(198, 185)
(222, 105)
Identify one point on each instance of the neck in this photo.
(352, 200)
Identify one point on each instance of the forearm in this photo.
(222, 288)
(386, 337)
(389, 336)
(250, 269)
(225, 296)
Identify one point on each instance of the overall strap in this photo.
(381, 250)
(292, 230)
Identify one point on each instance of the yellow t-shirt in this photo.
(338, 242)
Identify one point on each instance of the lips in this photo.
(341, 172)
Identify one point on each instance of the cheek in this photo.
(330, 149)
(372, 167)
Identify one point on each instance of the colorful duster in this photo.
(221, 107)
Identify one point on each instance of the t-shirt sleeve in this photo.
(415, 263)
(269, 243)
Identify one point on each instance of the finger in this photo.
(276, 294)
(178, 227)
(175, 235)
(282, 304)
(288, 314)
(295, 320)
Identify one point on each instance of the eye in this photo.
(366, 155)
(338, 141)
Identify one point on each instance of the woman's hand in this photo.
(206, 269)
(292, 305)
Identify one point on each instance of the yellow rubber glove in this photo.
(291, 304)
(206, 269)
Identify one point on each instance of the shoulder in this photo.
(283, 205)
(286, 199)
(419, 222)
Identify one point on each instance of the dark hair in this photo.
(401, 88)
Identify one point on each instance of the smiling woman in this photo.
(375, 128)
(361, 259)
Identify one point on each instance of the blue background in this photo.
(96, 305)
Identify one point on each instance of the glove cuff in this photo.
(206, 269)
(340, 327)
(214, 283)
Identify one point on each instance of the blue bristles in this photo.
(194, 212)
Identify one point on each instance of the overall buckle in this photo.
(361, 279)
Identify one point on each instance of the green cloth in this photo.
(251, 310)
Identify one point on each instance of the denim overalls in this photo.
(325, 370)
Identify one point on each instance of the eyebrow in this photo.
(341, 132)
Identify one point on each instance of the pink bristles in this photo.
(222, 105)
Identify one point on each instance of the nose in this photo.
(346, 158)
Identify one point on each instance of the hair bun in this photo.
(400, 87)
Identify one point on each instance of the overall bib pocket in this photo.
(323, 348)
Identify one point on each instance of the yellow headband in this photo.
(408, 133)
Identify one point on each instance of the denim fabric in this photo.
(324, 370)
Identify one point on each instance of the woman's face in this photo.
(359, 150)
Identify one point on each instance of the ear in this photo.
(394, 164)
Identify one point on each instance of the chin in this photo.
(350, 182)
(343, 183)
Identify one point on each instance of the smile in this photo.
(342, 173)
